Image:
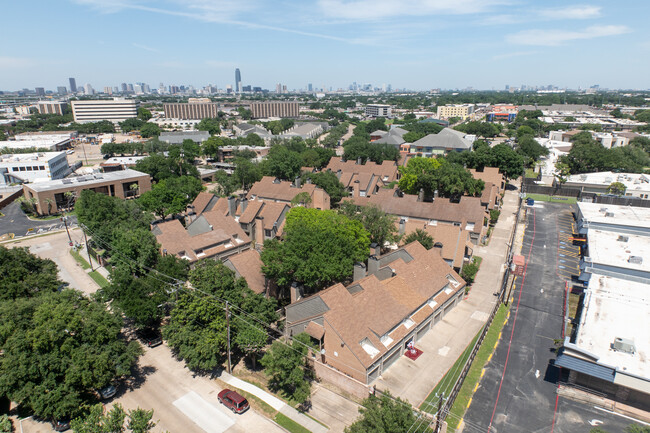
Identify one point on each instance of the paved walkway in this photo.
(275, 403)
(446, 341)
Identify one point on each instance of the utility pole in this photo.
(65, 222)
(437, 430)
(228, 326)
(90, 261)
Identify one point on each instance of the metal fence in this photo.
(459, 383)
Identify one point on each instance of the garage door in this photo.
(391, 358)
(423, 330)
(374, 374)
(448, 308)
(437, 318)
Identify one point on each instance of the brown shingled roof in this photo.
(271, 190)
(248, 265)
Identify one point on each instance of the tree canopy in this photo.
(429, 175)
(320, 247)
(421, 236)
(209, 124)
(57, 348)
(25, 275)
(287, 368)
(379, 225)
(386, 414)
(171, 196)
(330, 183)
(97, 420)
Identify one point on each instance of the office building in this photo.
(61, 90)
(462, 111)
(114, 110)
(123, 87)
(40, 91)
(88, 89)
(51, 195)
(31, 167)
(275, 109)
(73, 85)
(278, 88)
(238, 81)
(378, 110)
(108, 90)
(310, 88)
(51, 107)
(195, 108)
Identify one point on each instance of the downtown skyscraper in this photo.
(237, 81)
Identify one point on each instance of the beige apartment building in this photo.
(463, 111)
(275, 109)
(114, 110)
(194, 109)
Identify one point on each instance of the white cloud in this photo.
(146, 48)
(364, 10)
(576, 12)
(556, 37)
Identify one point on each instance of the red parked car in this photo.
(233, 401)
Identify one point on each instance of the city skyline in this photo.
(419, 45)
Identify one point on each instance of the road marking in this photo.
(621, 415)
(537, 374)
(594, 422)
(204, 414)
(541, 290)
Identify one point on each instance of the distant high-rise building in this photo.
(116, 89)
(238, 81)
(146, 88)
(310, 88)
(61, 90)
(73, 85)
(129, 87)
(89, 89)
(124, 88)
(278, 88)
(138, 89)
(284, 88)
(246, 88)
(40, 91)
(108, 90)
(228, 89)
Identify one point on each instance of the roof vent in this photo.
(622, 238)
(635, 260)
(623, 345)
(609, 214)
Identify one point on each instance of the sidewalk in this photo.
(275, 403)
(446, 341)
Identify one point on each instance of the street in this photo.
(517, 392)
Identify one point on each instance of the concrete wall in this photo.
(340, 380)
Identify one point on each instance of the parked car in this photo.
(233, 401)
(150, 337)
(60, 424)
(107, 392)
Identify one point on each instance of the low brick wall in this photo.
(5, 200)
(340, 380)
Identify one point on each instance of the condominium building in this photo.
(52, 107)
(30, 167)
(463, 111)
(114, 110)
(275, 109)
(378, 110)
(195, 108)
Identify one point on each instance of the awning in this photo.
(586, 367)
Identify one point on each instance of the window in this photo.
(14, 168)
(386, 340)
(22, 168)
(456, 224)
(469, 226)
(41, 167)
(29, 168)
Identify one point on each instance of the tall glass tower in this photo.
(73, 85)
(237, 81)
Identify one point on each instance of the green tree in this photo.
(96, 421)
(421, 236)
(144, 114)
(469, 270)
(210, 147)
(562, 172)
(140, 420)
(25, 275)
(330, 183)
(171, 196)
(209, 124)
(413, 136)
(6, 426)
(135, 249)
(320, 247)
(379, 224)
(530, 148)
(225, 184)
(161, 167)
(283, 163)
(386, 414)
(57, 348)
(287, 368)
(149, 130)
(376, 124)
(509, 162)
(246, 173)
(616, 188)
(132, 124)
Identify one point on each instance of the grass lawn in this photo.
(290, 424)
(448, 380)
(530, 173)
(99, 279)
(84, 264)
(552, 198)
(474, 375)
(477, 260)
(574, 302)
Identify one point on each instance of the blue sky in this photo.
(414, 44)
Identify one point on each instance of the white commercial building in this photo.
(378, 110)
(33, 167)
(39, 145)
(636, 185)
(615, 254)
(620, 219)
(114, 110)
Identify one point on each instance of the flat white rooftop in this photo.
(618, 250)
(28, 157)
(604, 215)
(37, 144)
(126, 160)
(615, 308)
(632, 181)
(120, 175)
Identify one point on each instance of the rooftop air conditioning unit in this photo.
(636, 260)
(622, 238)
(623, 345)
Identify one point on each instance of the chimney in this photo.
(402, 226)
(435, 194)
(359, 161)
(295, 292)
(421, 195)
(355, 188)
(373, 265)
(296, 182)
(339, 172)
(359, 271)
(375, 249)
(232, 206)
(308, 181)
(244, 204)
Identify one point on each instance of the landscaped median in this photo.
(474, 375)
(552, 198)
